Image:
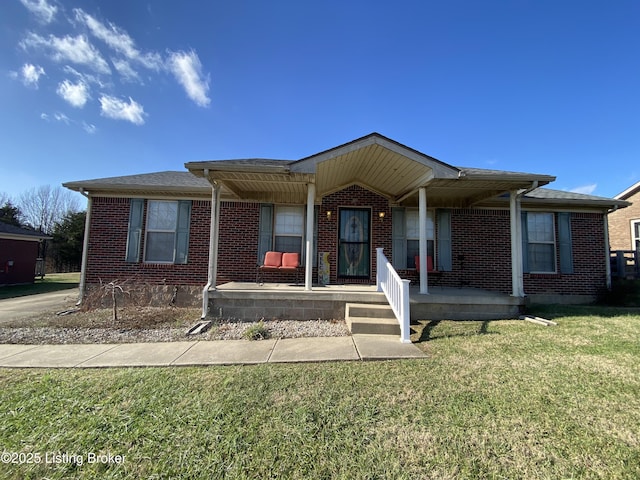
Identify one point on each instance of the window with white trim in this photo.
(288, 229)
(541, 242)
(412, 225)
(635, 234)
(160, 238)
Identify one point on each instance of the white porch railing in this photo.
(396, 290)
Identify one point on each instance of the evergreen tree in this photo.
(68, 238)
(10, 214)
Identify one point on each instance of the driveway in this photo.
(31, 305)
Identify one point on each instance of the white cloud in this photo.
(44, 116)
(89, 128)
(31, 74)
(61, 117)
(187, 69)
(76, 94)
(112, 107)
(586, 189)
(118, 40)
(125, 70)
(73, 49)
(41, 9)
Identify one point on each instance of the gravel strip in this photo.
(220, 331)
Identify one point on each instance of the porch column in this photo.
(308, 269)
(422, 215)
(517, 285)
(213, 246)
(85, 249)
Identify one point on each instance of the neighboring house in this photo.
(624, 234)
(488, 229)
(19, 249)
(624, 224)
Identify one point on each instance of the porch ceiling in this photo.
(373, 162)
(384, 171)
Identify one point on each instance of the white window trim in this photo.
(553, 242)
(300, 236)
(634, 239)
(147, 230)
(432, 214)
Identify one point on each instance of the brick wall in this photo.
(480, 247)
(238, 242)
(620, 226)
(108, 246)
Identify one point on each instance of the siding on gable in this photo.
(620, 224)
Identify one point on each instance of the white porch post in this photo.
(85, 250)
(213, 247)
(422, 215)
(308, 269)
(517, 285)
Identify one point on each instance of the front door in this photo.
(354, 256)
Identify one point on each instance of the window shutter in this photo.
(399, 238)
(566, 245)
(525, 243)
(265, 236)
(316, 210)
(182, 231)
(134, 233)
(444, 256)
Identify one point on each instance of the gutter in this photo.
(85, 246)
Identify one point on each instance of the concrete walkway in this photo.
(218, 352)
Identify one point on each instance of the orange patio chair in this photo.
(291, 263)
(429, 263)
(272, 262)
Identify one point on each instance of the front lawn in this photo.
(52, 282)
(504, 399)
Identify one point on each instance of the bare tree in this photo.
(44, 206)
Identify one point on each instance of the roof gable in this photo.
(629, 192)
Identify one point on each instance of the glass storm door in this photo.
(354, 245)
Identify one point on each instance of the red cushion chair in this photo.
(290, 261)
(429, 264)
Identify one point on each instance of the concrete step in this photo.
(371, 319)
(372, 310)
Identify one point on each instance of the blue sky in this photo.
(92, 89)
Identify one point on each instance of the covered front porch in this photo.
(252, 301)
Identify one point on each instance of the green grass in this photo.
(504, 399)
(52, 282)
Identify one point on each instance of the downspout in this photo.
(85, 247)
(213, 233)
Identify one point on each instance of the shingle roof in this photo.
(169, 182)
(548, 194)
(8, 229)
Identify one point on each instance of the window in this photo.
(635, 234)
(166, 232)
(288, 229)
(412, 221)
(162, 220)
(541, 242)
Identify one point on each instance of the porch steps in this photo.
(371, 319)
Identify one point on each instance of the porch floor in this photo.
(252, 301)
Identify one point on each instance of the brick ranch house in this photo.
(468, 227)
